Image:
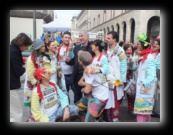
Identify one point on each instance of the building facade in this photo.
(128, 23)
(23, 21)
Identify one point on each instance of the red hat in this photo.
(38, 73)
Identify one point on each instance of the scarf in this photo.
(145, 53)
(40, 92)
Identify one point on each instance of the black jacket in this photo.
(74, 61)
(16, 66)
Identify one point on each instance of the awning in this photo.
(55, 26)
(29, 14)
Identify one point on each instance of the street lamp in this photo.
(34, 24)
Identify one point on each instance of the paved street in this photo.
(125, 115)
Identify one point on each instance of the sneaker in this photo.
(73, 118)
(155, 115)
(132, 112)
(115, 120)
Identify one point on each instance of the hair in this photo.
(101, 44)
(85, 57)
(158, 41)
(47, 50)
(84, 32)
(22, 39)
(66, 32)
(48, 44)
(121, 43)
(114, 35)
(126, 46)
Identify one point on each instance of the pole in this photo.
(34, 24)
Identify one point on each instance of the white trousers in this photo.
(16, 110)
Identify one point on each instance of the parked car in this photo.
(26, 53)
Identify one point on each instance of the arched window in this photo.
(112, 28)
(132, 31)
(107, 29)
(104, 33)
(104, 16)
(153, 27)
(124, 31)
(118, 29)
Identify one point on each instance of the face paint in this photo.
(154, 45)
(129, 52)
(93, 46)
(106, 41)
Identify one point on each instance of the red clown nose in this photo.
(129, 52)
(106, 41)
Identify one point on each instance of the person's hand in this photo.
(122, 83)
(71, 43)
(146, 90)
(91, 70)
(35, 85)
(66, 113)
(59, 74)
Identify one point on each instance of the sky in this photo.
(65, 16)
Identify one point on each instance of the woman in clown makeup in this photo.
(48, 102)
(99, 63)
(50, 62)
(156, 54)
(145, 86)
(130, 90)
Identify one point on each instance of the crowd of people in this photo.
(100, 73)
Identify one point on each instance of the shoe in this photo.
(155, 115)
(132, 112)
(115, 120)
(72, 118)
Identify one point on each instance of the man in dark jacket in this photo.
(18, 45)
(78, 69)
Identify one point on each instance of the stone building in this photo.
(23, 21)
(128, 23)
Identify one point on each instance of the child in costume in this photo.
(48, 102)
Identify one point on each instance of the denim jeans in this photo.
(68, 82)
(60, 112)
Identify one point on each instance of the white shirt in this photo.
(100, 91)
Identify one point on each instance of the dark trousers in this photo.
(69, 82)
(77, 88)
(111, 113)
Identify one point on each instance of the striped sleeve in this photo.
(104, 68)
(30, 70)
(158, 62)
(151, 72)
(63, 98)
(123, 69)
(35, 109)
